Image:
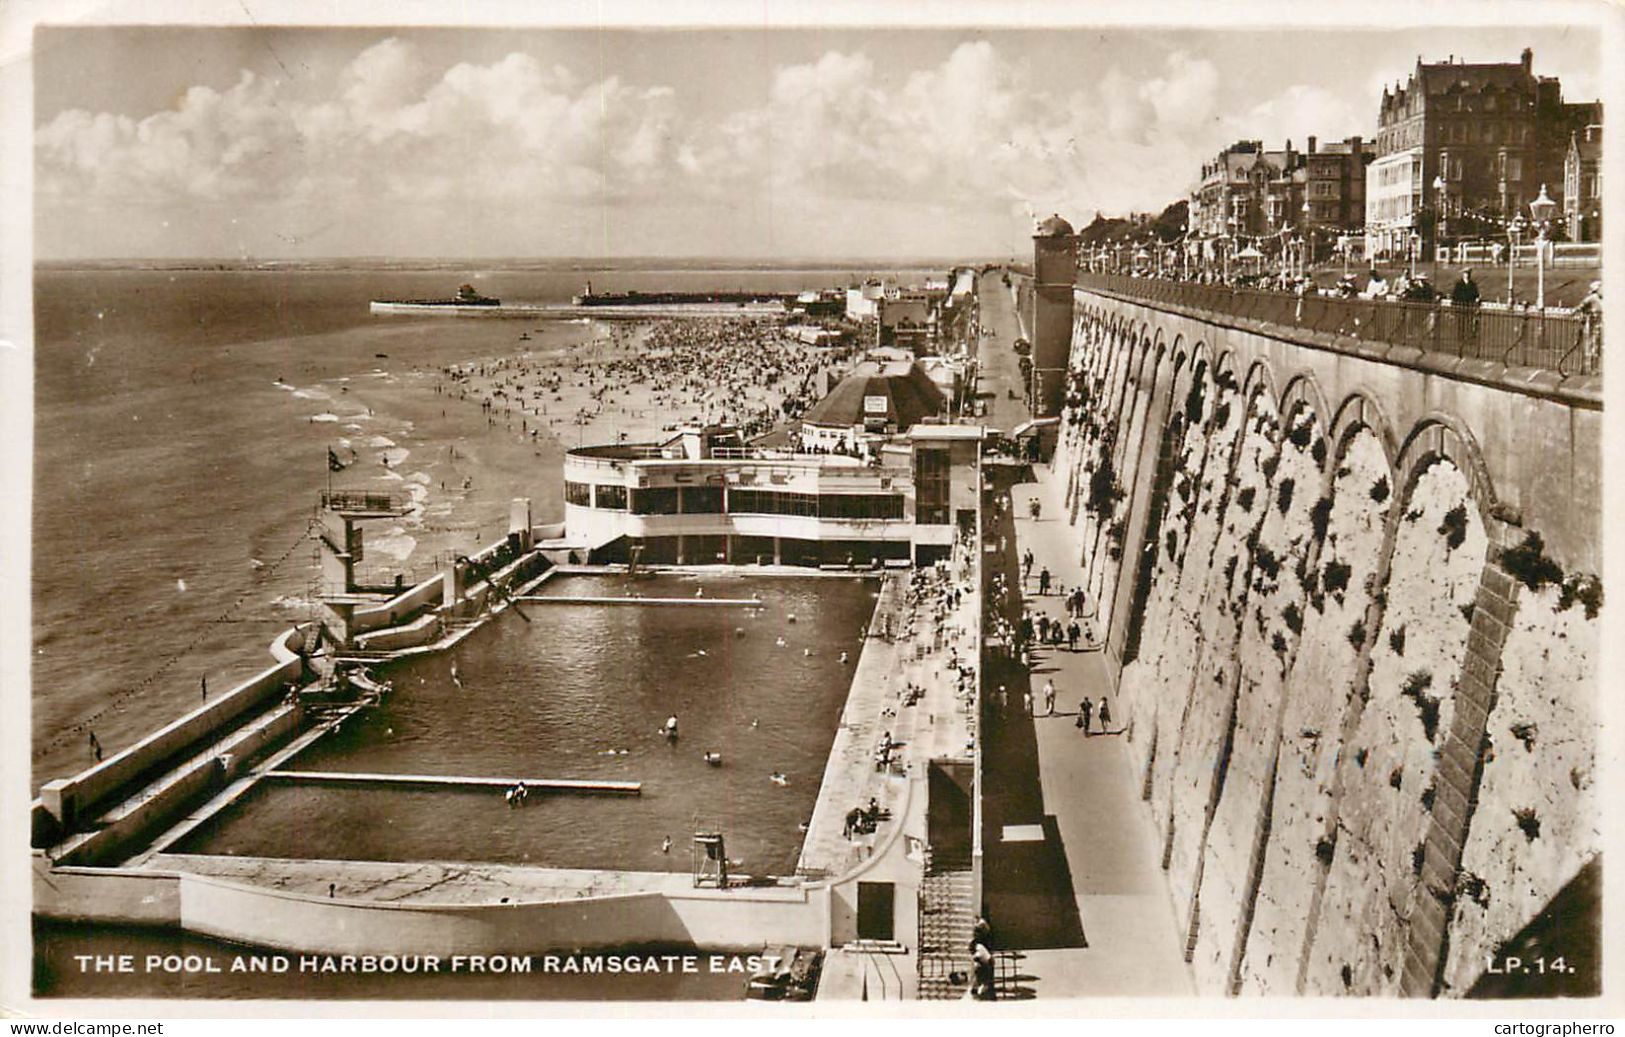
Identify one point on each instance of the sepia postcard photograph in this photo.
(1064, 509)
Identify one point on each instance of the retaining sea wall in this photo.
(1349, 594)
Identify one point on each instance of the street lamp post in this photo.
(1541, 209)
(1514, 236)
(1234, 223)
(1438, 222)
(1306, 255)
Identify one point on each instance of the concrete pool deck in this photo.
(423, 882)
(937, 725)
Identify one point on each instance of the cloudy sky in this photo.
(230, 142)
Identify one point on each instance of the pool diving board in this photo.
(594, 787)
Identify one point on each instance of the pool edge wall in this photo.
(738, 919)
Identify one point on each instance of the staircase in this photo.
(946, 923)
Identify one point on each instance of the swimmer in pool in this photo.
(778, 778)
(665, 845)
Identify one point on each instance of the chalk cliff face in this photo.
(1537, 820)
(1361, 701)
(1322, 699)
(1386, 772)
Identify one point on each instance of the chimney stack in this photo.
(1311, 144)
(1528, 59)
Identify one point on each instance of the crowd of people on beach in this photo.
(709, 370)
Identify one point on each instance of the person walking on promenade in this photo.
(1034, 508)
(1049, 698)
(1377, 287)
(1043, 580)
(1026, 565)
(1590, 311)
(1027, 702)
(1084, 709)
(1105, 717)
(983, 987)
(1464, 300)
(1072, 633)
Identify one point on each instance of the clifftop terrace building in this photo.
(1460, 142)
(1251, 192)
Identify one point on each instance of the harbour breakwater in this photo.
(1349, 594)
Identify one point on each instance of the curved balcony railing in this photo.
(1569, 343)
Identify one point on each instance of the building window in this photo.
(578, 493)
(654, 500)
(930, 487)
(860, 506)
(701, 500)
(772, 502)
(611, 496)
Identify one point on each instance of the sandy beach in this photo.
(633, 382)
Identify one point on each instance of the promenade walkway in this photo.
(1072, 884)
(1073, 880)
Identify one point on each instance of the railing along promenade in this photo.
(1567, 343)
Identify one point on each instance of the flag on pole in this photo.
(333, 462)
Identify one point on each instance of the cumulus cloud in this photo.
(1301, 110)
(970, 137)
(508, 129)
